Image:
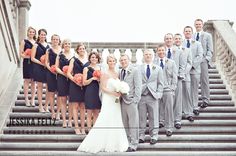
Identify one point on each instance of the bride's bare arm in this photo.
(103, 83)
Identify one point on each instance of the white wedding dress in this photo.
(108, 133)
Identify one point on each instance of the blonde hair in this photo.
(29, 28)
(65, 41)
(111, 56)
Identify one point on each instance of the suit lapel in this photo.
(143, 71)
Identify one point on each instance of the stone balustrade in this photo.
(224, 38)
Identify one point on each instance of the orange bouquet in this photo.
(78, 78)
(65, 69)
(42, 59)
(53, 69)
(97, 73)
(27, 52)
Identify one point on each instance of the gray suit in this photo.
(207, 45)
(167, 101)
(152, 90)
(197, 55)
(186, 107)
(129, 105)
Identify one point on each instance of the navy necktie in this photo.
(188, 44)
(162, 64)
(197, 38)
(148, 72)
(169, 54)
(123, 74)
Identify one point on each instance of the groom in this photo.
(129, 103)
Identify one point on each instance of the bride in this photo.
(108, 133)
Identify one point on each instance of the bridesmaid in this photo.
(93, 105)
(76, 91)
(51, 55)
(27, 65)
(63, 83)
(39, 69)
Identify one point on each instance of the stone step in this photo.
(224, 103)
(58, 123)
(141, 147)
(210, 109)
(79, 138)
(202, 116)
(212, 97)
(193, 130)
(137, 153)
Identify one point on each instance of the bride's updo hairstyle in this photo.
(111, 56)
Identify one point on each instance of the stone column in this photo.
(133, 57)
(23, 18)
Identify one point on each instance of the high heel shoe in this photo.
(64, 125)
(32, 103)
(53, 116)
(77, 131)
(58, 116)
(41, 110)
(83, 131)
(69, 124)
(27, 103)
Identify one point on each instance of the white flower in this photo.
(124, 88)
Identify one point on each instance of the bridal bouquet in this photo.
(122, 87)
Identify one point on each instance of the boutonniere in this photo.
(183, 48)
(129, 71)
(153, 67)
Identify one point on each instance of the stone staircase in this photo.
(212, 133)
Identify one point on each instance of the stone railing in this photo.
(224, 38)
(133, 49)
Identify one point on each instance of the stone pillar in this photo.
(122, 51)
(23, 18)
(133, 57)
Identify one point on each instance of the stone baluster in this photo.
(111, 50)
(100, 53)
(122, 51)
(133, 56)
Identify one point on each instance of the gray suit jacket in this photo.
(134, 80)
(155, 82)
(197, 55)
(207, 45)
(186, 57)
(170, 74)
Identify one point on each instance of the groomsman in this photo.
(207, 45)
(170, 83)
(197, 54)
(172, 52)
(129, 103)
(152, 90)
(186, 107)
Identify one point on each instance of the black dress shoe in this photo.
(161, 125)
(177, 126)
(168, 133)
(204, 105)
(130, 149)
(141, 141)
(196, 112)
(190, 118)
(153, 141)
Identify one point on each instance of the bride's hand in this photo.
(117, 94)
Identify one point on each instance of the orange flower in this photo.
(65, 69)
(53, 69)
(42, 59)
(27, 52)
(97, 73)
(78, 78)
